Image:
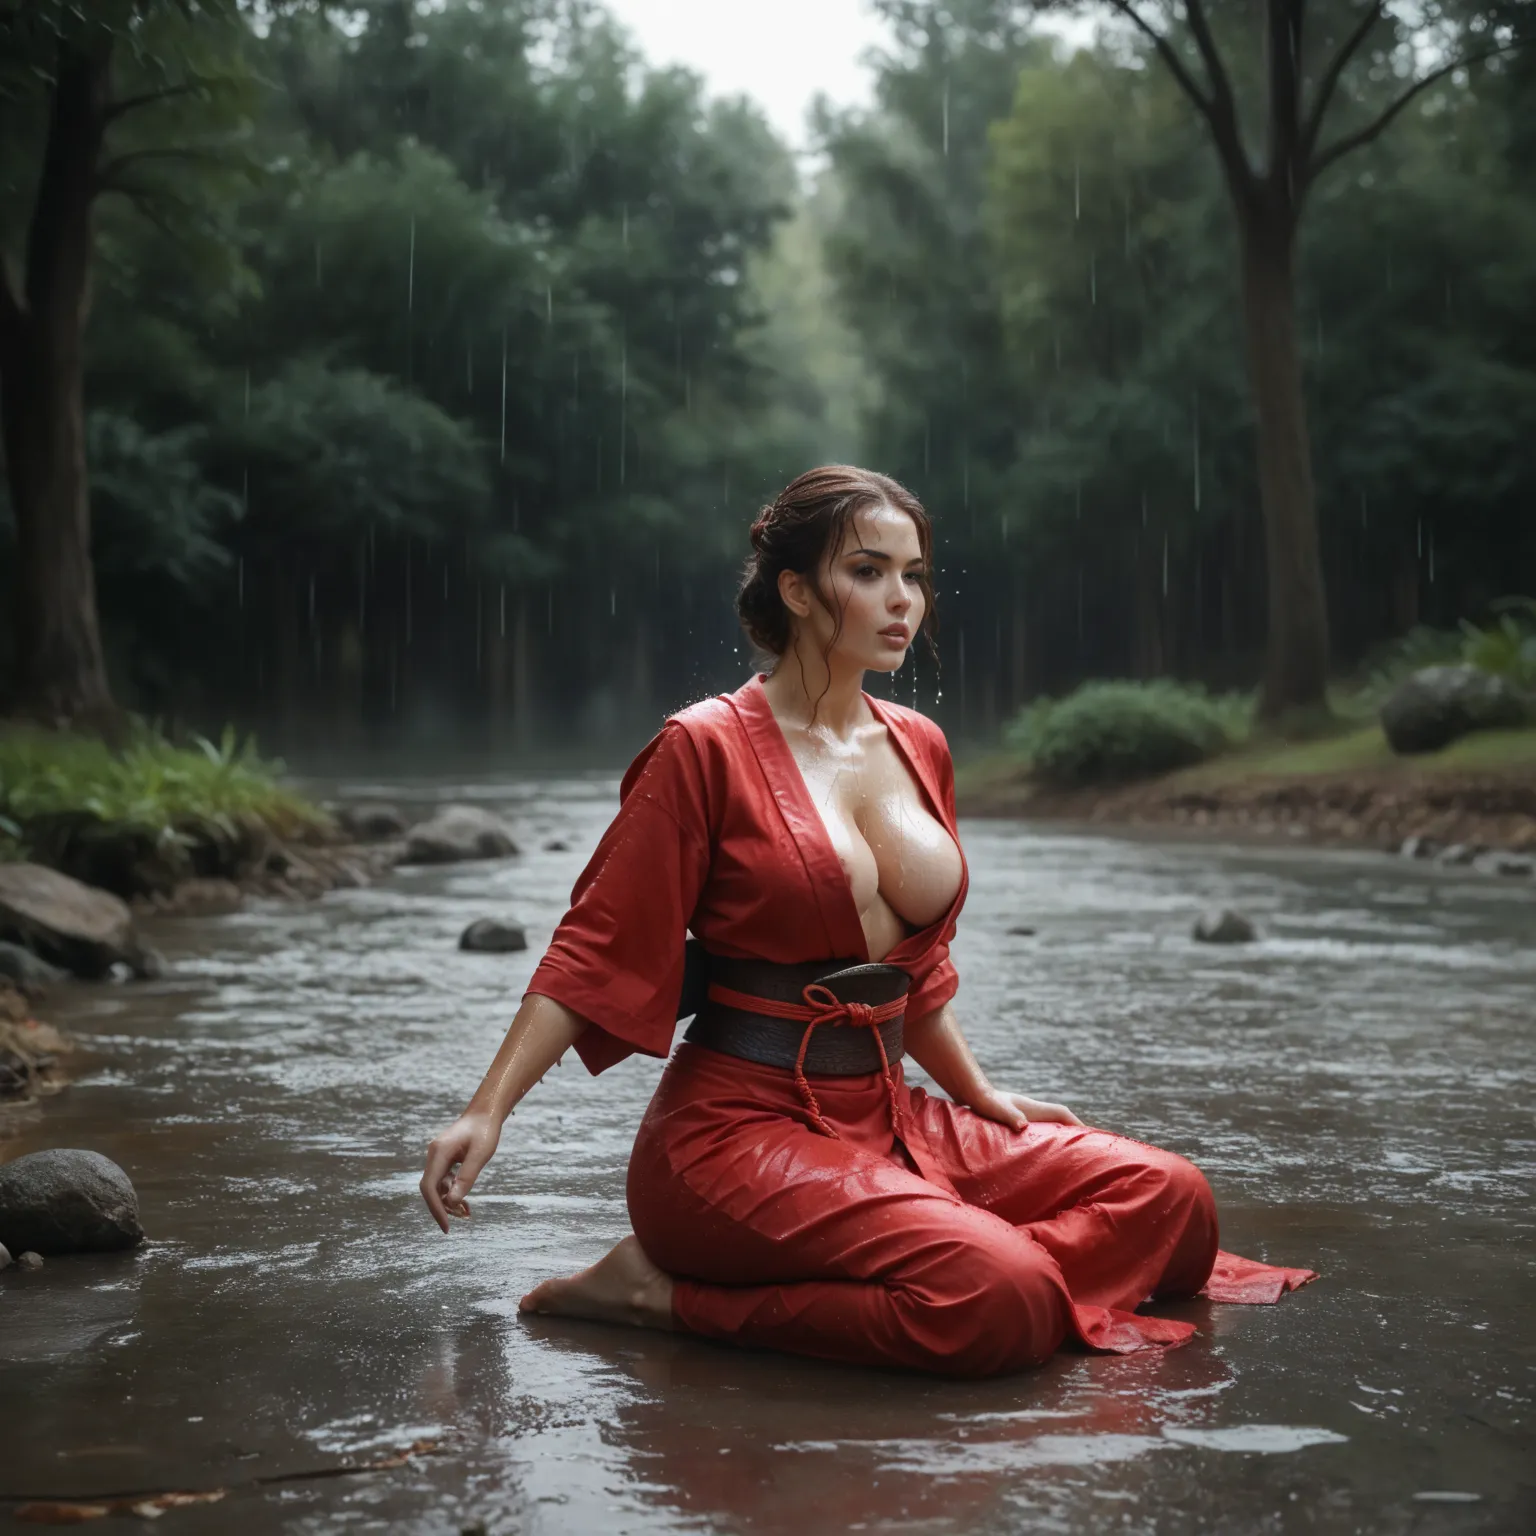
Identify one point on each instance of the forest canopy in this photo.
(437, 357)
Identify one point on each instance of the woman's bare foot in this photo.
(622, 1287)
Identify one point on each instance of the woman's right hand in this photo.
(454, 1161)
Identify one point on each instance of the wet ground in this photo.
(1358, 1086)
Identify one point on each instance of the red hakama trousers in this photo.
(963, 1248)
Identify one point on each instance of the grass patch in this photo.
(1002, 778)
(1366, 751)
(150, 785)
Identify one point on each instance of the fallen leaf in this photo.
(152, 1509)
(61, 1512)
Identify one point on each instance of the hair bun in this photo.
(759, 529)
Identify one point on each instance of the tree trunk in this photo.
(1149, 609)
(1296, 669)
(61, 670)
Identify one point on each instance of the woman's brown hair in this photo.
(795, 531)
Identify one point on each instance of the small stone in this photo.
(1226, 927)
(557, 845)
(1458, 854)
(1418, 847)
(371, 822)
(459, 832)
(205, 898)
(1500, 863)
(30, 1261)
(14, 1074)
(148, 964)
(489, 937)
(5, 1257)
(26, 970)
(1022, 931)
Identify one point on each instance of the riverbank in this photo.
(95, 838)
(271, 1106)
(1347, 791)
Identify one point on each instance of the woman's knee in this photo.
(1188, 1189)
(1189, 1203)
(987, 1309)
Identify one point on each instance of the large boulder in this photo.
(82, 929)
(67, 1201)
(1439, 705)
(456, 833)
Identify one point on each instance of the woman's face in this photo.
(874, 582)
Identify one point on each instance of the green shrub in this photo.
(1112, 732)
(150, 785)
(1506, 646)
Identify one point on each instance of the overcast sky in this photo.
(783, 52)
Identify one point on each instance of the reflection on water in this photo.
(1358, 1087)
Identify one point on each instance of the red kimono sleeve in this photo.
(935, 980)
(617, 957)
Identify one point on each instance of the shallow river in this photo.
(1358, 1086)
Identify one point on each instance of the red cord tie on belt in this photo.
(823, 1006)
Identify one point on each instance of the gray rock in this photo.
(557, 845)
(1498, 862)
(456, 833)
(1459, 854)
(488, 937)
(67, 1201)
(212, 897)
(371, 821)
(1022, 931)
(1226, 927)
(1417, 847)
(5, 1257)
(84, 930)
(28, 971)
(15, 1074)
(147, 964)
(30, 1261)
(1439, 705)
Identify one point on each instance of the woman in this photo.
(787, 1189)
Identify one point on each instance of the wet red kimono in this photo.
(964, 1247)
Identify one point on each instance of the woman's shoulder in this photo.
(707, 717)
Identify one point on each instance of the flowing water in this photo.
(1358, 1087)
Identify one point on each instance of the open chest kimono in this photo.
(890, 1226)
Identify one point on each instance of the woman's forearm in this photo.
(540, 1034)
(937, 1044)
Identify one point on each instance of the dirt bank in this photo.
(1361, 808)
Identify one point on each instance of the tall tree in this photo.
(1297, 86)
(75, 82)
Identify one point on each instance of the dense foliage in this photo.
(439, 354)
(147, 785)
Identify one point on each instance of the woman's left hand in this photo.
(1015, 1110)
